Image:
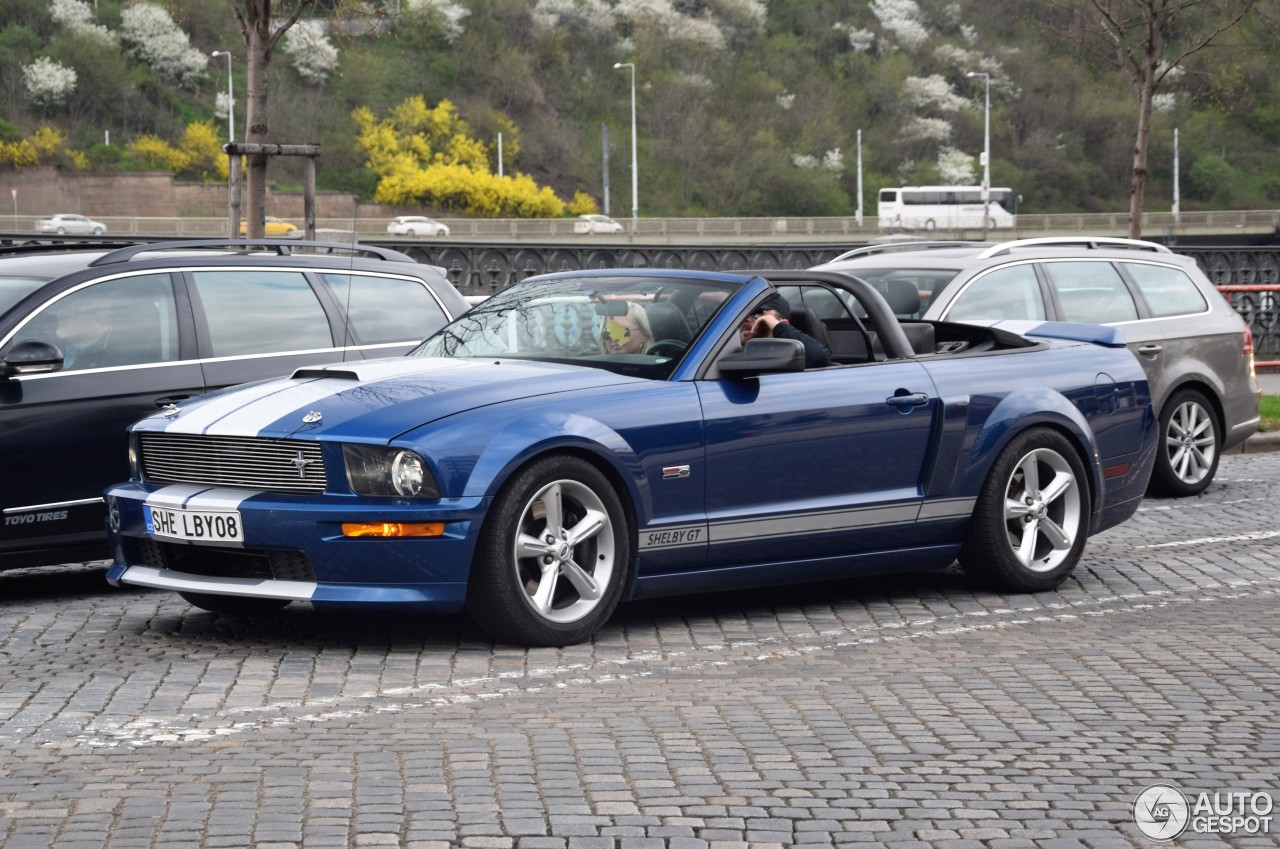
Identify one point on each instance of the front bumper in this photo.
(293, 548)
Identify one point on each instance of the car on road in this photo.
(416, 225)
(69, 224)
(1197, 352)
(586, 437)
(91, 340)
(273, 228)
(596, 224)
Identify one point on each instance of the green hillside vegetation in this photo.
(744, 108)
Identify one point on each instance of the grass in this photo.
(1270, 413)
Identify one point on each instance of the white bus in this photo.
(943, 207)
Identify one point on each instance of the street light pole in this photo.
(986, 152)
(231, 96)
(635, 179)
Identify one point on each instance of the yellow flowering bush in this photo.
(199, 154)
(424, 155)
(583, 204)
(45, 145)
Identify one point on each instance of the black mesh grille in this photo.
(226, 562)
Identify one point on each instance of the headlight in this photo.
(377, 470)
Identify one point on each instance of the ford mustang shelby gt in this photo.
(588, 437)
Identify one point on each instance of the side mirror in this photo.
(760, 356)
(31, 357)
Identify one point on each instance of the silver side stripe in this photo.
(808, 523)
(947, 508)
(831, 521)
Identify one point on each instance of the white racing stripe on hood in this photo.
(255, 416)
(247, 411)
(214, 409)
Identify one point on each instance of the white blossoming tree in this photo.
(154, 38)
(76, 16)
(314, 56)
(47, 82)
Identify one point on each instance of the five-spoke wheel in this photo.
(553, 555)
(1032, 517)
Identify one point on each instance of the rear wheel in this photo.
(1032, 516)
(553, 555)
(236, 605)
(1189, 446)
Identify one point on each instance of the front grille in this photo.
(226, 562)
(276, 465)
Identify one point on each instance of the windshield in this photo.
(634, 325)
(14, 289)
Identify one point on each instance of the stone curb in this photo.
(1258, 443)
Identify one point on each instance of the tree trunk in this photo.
(1138, 184)
(256, 203)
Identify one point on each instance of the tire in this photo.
(553, 557)
(98, 231)
(1031, 520)
(62, 231)
(235, 605)
(930, 224)
(1190, 444)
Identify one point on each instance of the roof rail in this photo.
(36, 247)
(891, 247)
(1091, 242)
(282, 247)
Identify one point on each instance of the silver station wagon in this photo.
(1197, 352)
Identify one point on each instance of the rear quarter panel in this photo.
(1095, 395)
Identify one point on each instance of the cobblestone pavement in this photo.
(912, 710)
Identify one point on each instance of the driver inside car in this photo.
(772, 318)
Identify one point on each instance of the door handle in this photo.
(907, 401)
(1151, 349)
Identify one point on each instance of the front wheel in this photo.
(553, 556)
(235, 605)
(1032, 517)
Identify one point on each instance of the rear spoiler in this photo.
(1096, 334)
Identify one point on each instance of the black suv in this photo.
(92, 340)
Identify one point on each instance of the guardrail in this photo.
(1259, 306)
(835, 229)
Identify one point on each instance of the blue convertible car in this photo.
(588, 437)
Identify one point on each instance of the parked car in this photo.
(273, 228)
(584, 437)
(1197, 352)
(416, 225)
(92, 340)
(66, 223)
(596, 224)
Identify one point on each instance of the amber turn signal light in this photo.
(392, 529)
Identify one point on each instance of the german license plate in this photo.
(194, 525)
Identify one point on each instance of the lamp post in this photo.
(986, 152)
(635, 180)
(231, 96)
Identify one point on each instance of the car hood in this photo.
(372, 401)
